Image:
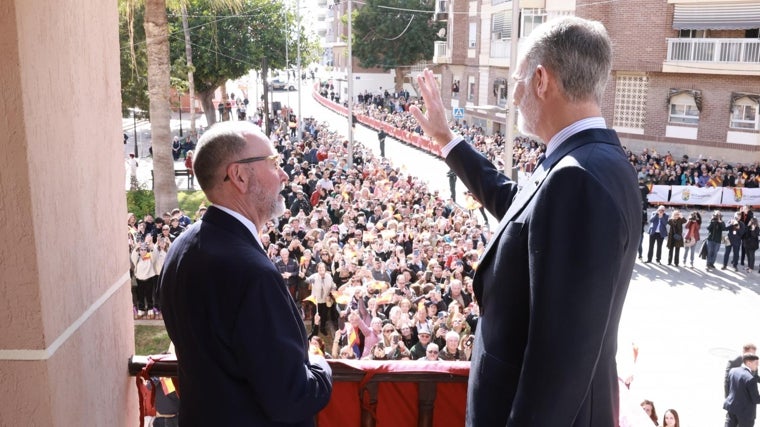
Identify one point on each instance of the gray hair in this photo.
(218, 147)
(577, 51)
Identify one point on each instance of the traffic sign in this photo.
(459, 113)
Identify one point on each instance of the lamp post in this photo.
(179, 95)
(134, 129)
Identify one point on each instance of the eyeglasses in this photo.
(388, 331)
(275, 158)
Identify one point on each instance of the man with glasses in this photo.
(556, 271)
(222, 297)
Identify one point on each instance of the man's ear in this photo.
(237, 178)
(541, 79)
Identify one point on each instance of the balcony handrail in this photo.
(343, 370)
(720, 50)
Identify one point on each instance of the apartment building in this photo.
(685, 79)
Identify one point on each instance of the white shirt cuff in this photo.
(450, 146)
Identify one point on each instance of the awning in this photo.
(740, 16)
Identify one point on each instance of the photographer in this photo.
(735, 233)
(714, 236)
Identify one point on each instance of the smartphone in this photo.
(469, 341)
(395, 339)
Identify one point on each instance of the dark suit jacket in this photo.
(743, 396)
(658, 225)
(551, 284)
(241, 344)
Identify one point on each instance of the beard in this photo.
(272, 205)
(527, 114)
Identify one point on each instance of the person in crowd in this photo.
(452, 351)
(691, 237)
(424, 338)
(670, 418)
(288, 268)
(743, 397)
(748, 348)
(750, 243)
(745, 216)
(189, 165)
(560, 78)
(217, 278)
(675, 236)
(158, 257)
(658, 230)
(145, 275)
(322, 287)
(431, 353)
(714, 237)
(648, 407)
(735, 234)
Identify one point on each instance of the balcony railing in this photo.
(366, 393)
(745, 51)
(500, 48)
(440, 49)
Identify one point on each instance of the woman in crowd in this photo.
(691, 236)
(750, 243)
(675, 236)
(145, 275)
(648, 407)
(158, 256)
(670, 419)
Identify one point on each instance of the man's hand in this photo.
(433, 121)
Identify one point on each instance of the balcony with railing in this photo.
(713, 56)
(441, 54)
(500, 48)
(368, 392)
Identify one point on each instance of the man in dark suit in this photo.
(658, 230)
(241, 345)
(553, 278)
(737, 361)
(743, 397)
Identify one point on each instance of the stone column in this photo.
(66, 328)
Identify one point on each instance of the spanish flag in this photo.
(650, 185)
(713, 182)
(353, 341)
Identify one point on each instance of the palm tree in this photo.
(157, 46)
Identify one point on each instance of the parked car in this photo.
(278, 84)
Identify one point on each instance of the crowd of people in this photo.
(739, 236)
(377, 259)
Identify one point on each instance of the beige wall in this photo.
(65, 310)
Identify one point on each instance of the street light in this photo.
(134, 129)
(179, 95)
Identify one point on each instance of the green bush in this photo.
(142, 202)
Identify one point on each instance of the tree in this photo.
(228, 47)
(155, 24)
(157, 48)
(394, 34)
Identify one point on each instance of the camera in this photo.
(469, 341)
(395, 339)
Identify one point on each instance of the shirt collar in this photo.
(580, 125)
